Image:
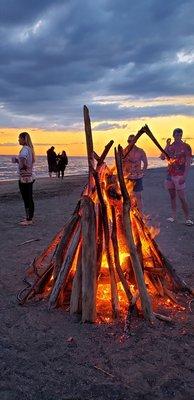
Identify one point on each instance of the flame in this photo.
(129, 185)
(48, 287)
(154, 231)
(143, 235)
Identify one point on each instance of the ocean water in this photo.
(76, 166)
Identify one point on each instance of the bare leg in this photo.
(172, 193)
(184, 204)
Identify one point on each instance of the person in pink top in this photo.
(178, 167)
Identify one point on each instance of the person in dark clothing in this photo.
(62, 163)
(52, 160)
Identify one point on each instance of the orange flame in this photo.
(152, 265)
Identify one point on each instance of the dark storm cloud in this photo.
(15, 11)
(58, 55)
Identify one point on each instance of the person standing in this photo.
(180, 160)
(25, 161)
(62, 163)
(52, 161)
(134, 166)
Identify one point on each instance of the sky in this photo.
(131, 62)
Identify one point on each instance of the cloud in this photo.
(107, 126)
(58, 56)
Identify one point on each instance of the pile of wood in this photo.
(104, 263)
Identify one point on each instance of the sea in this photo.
(76, 166)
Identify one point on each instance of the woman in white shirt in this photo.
(25, 161)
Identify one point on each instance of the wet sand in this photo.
(38, 361)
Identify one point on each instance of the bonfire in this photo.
(104, 263)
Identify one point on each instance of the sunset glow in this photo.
(74, 142)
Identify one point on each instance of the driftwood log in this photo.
(65, 268)
(76, 291)
(89, 259)
(90, 150)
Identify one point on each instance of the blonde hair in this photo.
(28, 142)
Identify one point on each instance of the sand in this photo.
(48, 355)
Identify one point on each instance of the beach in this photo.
(48, 355)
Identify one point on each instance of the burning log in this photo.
(116, 257)
(100, 241)
(114, 293)
(88, 261)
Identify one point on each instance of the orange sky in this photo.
(74, 142)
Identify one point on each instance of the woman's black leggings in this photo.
(26, 190)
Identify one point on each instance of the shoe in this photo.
(26, 223)
(170, 219)
(189, 222)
